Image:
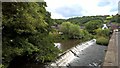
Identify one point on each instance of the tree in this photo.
(117, 18)
(65, 27)
(73, 31)
(26, 32)
(70, 30)
(92, 25)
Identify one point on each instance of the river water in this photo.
(67, 44)
(91, 57)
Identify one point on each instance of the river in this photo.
(67, 44)
(92, 57)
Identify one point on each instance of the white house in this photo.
(104, 26)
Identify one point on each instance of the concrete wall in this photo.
(111, 57)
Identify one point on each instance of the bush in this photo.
(100, 32)
(102, 41)
(92, 25)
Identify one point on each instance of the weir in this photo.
(66, 57)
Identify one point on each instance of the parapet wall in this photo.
(111, 57)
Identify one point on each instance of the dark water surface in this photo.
(93, 56)
(65, 45)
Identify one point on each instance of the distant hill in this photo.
(82, 20)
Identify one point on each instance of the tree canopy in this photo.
(26, 32)
(73, 31)
(92, 25)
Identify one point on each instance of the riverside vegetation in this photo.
(27, 33)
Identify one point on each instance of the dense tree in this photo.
(92, 25)
(59, 21)
(69, 29)
(80, 20)
(117, 18)
(73, 31)
(25, 31)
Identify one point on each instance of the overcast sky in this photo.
(72, 8)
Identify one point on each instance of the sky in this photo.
(64, 9)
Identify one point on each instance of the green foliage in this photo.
(104, 33)
(1, 65)
(92, 25)
(59, 21)
(85, 35)
(73, 31)
(65, 27)
(102, 41)
(102, 36)
(84, 19)
(116, 18)
(26, 32)
(79, 20)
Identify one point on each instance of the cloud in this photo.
(70, 11)
(71, 8)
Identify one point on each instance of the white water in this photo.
(72, 53)
(69, 56)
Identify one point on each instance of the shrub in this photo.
(72, 31)
(100, 32)
(90, 26)
(102, 41)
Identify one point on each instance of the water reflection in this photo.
(65, 45)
